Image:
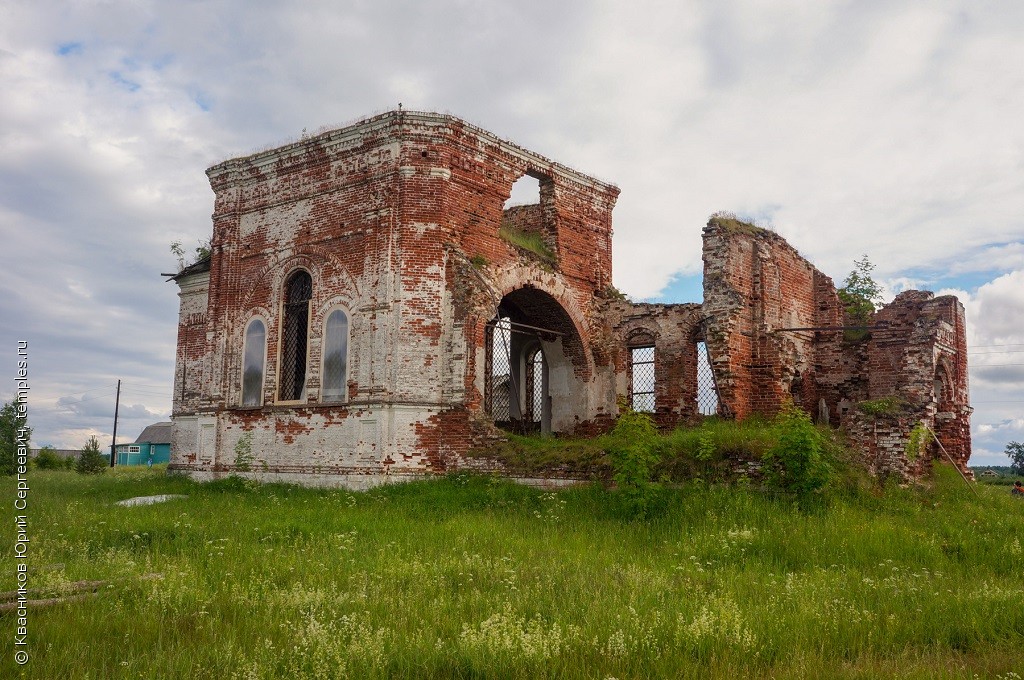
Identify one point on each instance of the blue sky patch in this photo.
(202, 100)
(69, 48)
(129, 85)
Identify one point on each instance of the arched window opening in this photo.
(641, 373)
(335, 356)
(943, 387)
(295, 336)
(253, 359)
(707, 391)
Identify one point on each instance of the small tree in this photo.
(1015, 450)
(860, 293)
(202, 251)
(91, 461)
(12, 421)
(797, 463)
(634, 454)
(47, 459)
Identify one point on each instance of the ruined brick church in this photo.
(371, 309)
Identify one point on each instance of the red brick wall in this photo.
(775, 327)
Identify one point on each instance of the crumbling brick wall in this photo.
(397, 221)
(674, 330)
(778, 331)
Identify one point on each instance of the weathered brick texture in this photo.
(775, 326)
(396, 220)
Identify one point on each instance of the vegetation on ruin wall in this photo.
(529, 241)
(729, 222)
(715, 451)
(885, 406)
(476, 577)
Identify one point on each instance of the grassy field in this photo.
(473, 577)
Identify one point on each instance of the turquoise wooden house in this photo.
(152, 447)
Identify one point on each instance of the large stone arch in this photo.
(525, 318)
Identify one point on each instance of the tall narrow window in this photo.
(500, 383)
(294, 336)
(253, 357)
(534, 387)
(707, 392)
(335, 356)
(641, 374)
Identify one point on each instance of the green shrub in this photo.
(886, 406)
(796, 464)
(90, 460)
(243, 453)
(47, 459)
(633, 448)
(918, 442)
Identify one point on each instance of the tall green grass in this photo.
(530, 241)
(475, 577)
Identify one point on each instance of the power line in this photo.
(1002, 351)
(98, 396)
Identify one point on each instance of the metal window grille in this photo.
(707, 390)
(295, 336)
(641, 364)
(535, 387)
(498, 390)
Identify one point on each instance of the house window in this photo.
(253, 358)
(134, 449)
(641, 373)
(335, 356)
(295, 336)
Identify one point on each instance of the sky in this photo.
(887, 128)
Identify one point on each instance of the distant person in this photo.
(1017, 489)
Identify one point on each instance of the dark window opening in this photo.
(295, 336)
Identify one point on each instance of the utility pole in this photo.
(113, 442)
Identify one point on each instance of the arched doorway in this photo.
(535, 365)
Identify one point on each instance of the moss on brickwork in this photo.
(886, 406)
(531, 242)
(732, 224)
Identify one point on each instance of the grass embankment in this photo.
(476, 577)
(717, 451)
